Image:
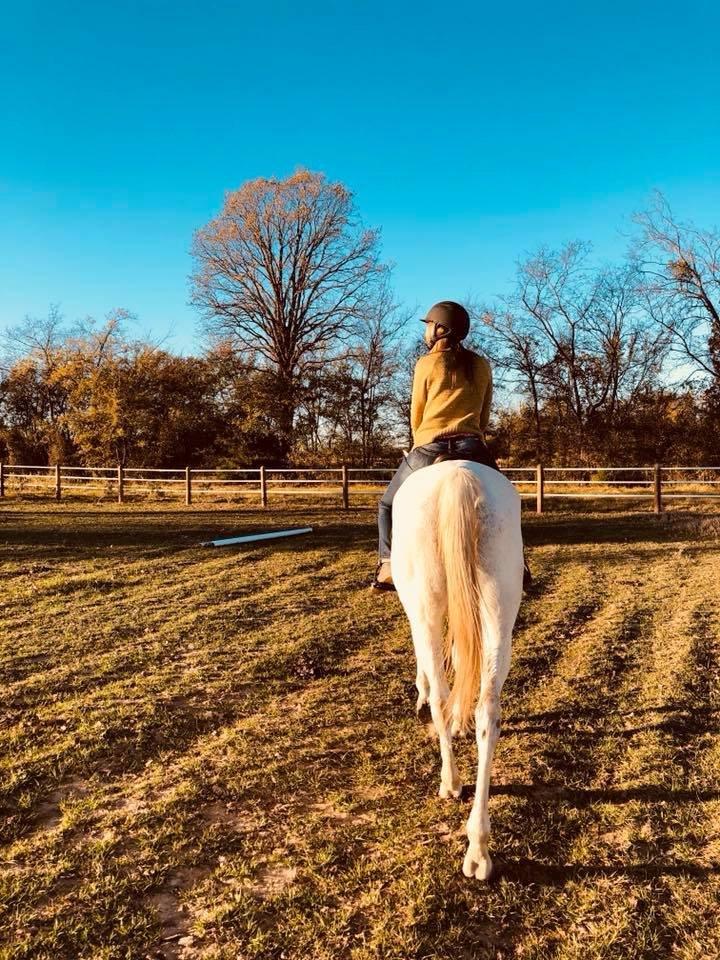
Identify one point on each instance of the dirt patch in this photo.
(329, 812)
(176, 942)
(228, 816)
(48, 813)
(272, 880)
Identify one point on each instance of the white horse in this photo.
(457, 554)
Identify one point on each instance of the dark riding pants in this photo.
(459, 448)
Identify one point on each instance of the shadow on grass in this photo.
(533, 871)
(574, 712)
(580, 797)
(614, 528)
(91, 528)
(684, 724)
(82, 534)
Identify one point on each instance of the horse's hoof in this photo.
(479, 869)
(446, 792)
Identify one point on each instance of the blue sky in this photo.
(469, 132)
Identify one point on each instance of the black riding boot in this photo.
(527, 576)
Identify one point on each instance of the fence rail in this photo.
(654, 483)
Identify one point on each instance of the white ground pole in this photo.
(254, 537)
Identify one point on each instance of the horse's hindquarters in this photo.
(415, 548)
(457, 552)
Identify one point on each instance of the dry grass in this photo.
(213, 754)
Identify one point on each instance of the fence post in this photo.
(540, 488)
(2, 479)
(345, 488)
(121, 484)
(263, 487)
(658, 488)
(188, 486)
(58, 486)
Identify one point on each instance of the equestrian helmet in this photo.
(449, 320)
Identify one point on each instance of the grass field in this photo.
(214, 754)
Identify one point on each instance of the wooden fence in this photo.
(654, 484)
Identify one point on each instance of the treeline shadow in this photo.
(616, 528)
(83, 534)
(681, 722)
(557, 875)
(584, 796)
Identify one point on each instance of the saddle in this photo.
(482, 456)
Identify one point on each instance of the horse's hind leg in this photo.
(422, 707)
(420, 634)
(487, 728)
(427, 640)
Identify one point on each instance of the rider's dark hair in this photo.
(459, 359)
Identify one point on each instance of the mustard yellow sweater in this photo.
(444, 402)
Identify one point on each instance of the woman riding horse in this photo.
(451, 395)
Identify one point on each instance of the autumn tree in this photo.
(32, 400)
(89, 394)
(285, 272)
(131, 402)
(27, 431)
(243, 398)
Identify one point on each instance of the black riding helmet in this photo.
(449, 321)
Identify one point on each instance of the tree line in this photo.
(308, 358)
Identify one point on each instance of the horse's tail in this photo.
(459, 539)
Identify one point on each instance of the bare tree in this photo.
(574, 339)
(347, 408)
(375, 365)
(408, 356)
(627, 349)
(681, 268)
(286, 270)
(516, 357)
(38, 337)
